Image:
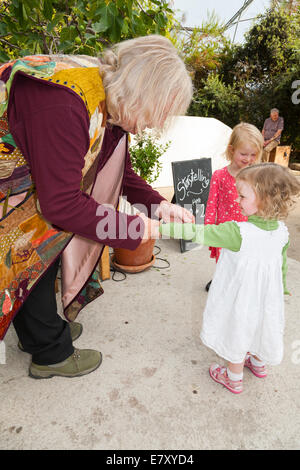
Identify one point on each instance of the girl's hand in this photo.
(172, 213)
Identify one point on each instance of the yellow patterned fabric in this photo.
(28, 243)
(85, 82)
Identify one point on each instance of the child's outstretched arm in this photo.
(225, 235)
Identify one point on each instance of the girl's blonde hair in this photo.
(145, 78)
(242, 133)
(275, 186)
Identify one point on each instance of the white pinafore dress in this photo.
(245, 305)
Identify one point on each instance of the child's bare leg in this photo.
(235, 371)
(236, 368)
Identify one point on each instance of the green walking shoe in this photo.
(75, 330)
(81, 362)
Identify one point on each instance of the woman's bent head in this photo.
(145, 82)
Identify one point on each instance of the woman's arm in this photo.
(51, 127)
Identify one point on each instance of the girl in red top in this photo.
(244, 148)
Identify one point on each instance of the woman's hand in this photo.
(172, 213)
(151, 228)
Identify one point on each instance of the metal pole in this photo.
(237, 23)
(238, 13)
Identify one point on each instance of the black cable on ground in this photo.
(161, 259)
(115, 270)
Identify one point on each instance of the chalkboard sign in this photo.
(191, 189)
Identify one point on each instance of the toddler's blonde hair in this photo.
(245, 132)
(275, 186)
(146, 78)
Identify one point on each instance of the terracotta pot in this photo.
(141, 258)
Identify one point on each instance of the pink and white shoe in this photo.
(258, 371)
(219, 375)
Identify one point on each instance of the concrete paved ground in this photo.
(153, 390)
(293, 224)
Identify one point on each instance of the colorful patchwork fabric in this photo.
(28, 243)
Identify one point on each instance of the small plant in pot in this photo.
(145, 153)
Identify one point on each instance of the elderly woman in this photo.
(64, 162)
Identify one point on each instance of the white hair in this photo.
(145, 78)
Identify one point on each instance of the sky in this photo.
(196, 11)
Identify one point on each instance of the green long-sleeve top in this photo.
(226, 235)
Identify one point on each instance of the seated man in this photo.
(273, 126)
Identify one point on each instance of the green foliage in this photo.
(232, 82)
(202, 48)
(76, 26)
(145, 153)
(216, 99)
(251, 78)
(269, 48)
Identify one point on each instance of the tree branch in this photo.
(144, 11)
(43, 33)
(10, 45)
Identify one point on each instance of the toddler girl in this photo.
(244, 148)
(243, 320)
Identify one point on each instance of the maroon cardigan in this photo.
(50, 125)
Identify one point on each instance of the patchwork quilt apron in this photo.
(29, 244)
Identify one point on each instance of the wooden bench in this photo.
(104, 265)
(280, 155)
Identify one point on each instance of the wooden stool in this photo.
(104, 264)
(280, 155)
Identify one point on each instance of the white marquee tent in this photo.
(193, 137)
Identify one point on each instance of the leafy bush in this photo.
(145, 153)
(76, 26)
(216, 99)
(256, 76)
